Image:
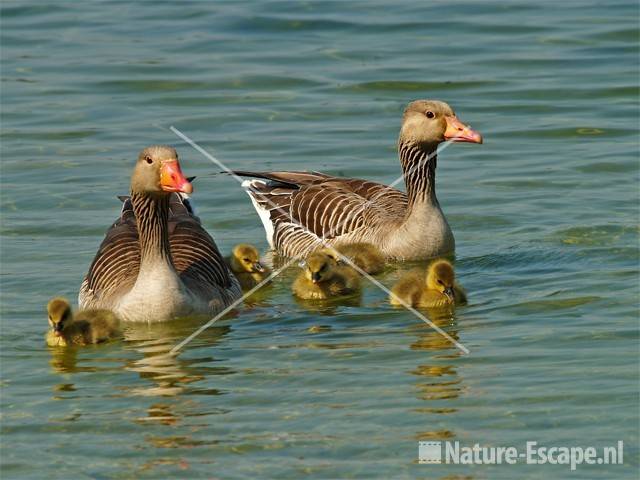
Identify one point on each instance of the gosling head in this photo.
(158, 171)
(320, 267)
(441, 277)
(430, 122)
(59, 311)
(247, 259)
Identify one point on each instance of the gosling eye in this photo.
(148, 159)
(430, 114)
(324, 267)
(440, 282)
(246, 260)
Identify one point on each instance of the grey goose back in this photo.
(157, 262)
(299, 210)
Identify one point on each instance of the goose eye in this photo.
(148, 159)
(246, 260)
(430, 114)
(440, 282)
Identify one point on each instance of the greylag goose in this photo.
(323, 277)
(437, 289)
(86, 327)
(299, 210)
(157, 262)
(245, 264)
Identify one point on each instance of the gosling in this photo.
(437, 289)
(323, 277)
(86, 327)
(365, 255)
(245, 264)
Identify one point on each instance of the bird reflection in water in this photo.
(168, 374)
(175, 386)
(329, 307)
(171, 374)
(64, 360)
(438, 383)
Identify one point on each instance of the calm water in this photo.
(545, 215)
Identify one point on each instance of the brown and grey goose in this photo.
(157, 262)
(299, 210)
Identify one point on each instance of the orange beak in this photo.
(459, 132)
(172, 179)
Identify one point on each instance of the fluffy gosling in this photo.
(84, 328)
(323, 277)
(437, 289)
(365, 255)
(244, 262)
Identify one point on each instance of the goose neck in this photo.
(419, 170)
(152, 217)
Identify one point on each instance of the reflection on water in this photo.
(160, 413)
(259, 298)
(170, 374)
(438, 383)
(328, 307)
(65, 359)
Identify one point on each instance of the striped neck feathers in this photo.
(419, 170)
(152, 217)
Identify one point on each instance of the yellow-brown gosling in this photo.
(323, 277)
(244, 262)
(86, 327)
(437, 289)
(365, 255)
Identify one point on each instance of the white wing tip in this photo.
(249, 184)
(263, 213)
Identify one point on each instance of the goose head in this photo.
(320, 267)
(246, 259)
(59, 311)
(441, 277)
(430, 122)
(158, 172)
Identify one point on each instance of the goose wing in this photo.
(299, 209)
(115, 267)
(195, 254)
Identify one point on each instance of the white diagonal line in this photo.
(230, 307)
(324, 243)
(205, 153)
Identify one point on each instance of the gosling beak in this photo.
(57, 329)
(315, 277)
(459, 132)
(257, 267)
(172, 179)
(450, 294)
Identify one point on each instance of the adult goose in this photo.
(301, 209)
(157, 262)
